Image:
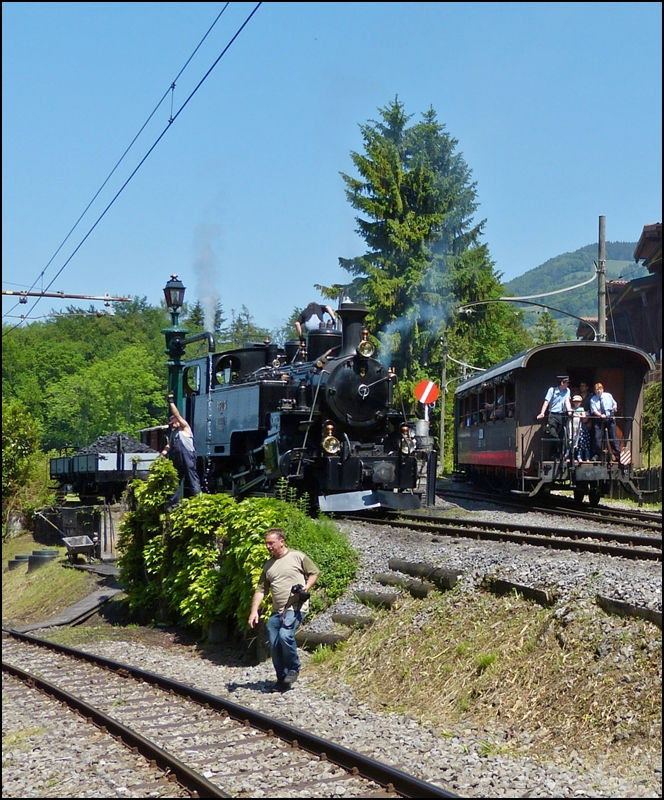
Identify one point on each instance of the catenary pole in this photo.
(601, 281)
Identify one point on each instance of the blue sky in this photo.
(556, 108)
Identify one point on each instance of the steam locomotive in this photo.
(318, 413)
(500, 443)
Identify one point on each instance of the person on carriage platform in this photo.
(603, 408)
(584, 391)
(580, 431)
(558, 404)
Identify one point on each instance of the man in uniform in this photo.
(559, 406)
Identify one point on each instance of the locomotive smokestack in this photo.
(352, 323)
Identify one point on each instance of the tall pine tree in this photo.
(424, 258)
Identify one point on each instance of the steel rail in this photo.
(650, 521)
(186, 777)
(356, 763)
(642, 518)
(538, 530)
(549, 541)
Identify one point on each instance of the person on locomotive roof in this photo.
(313, 317)
(603, 409)
(180, 448)
(557, 402)
(289, 575)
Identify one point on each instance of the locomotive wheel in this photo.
(594, 495)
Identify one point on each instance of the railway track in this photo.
(634, 518)
(627, 545)
(187, 732)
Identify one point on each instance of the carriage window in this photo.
(483, 402)
(510, 409)
(465, 412)
(488, 408)
(499, 407)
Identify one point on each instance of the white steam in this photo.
(207, 272)
(429, 319)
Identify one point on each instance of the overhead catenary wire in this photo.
(556, 291)
(122, 157)
(142, 161)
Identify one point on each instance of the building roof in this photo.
(649, 247)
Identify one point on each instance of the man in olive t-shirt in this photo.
(284, 570)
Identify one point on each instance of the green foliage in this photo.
(25, 469)
(112, 395)
(204, 560)
(81, 375)
(143, 523)
(20, 441)
(424, 255)
(652, 412)
(547, 329)
(241, 330)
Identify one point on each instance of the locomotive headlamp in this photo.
(174, 293)
(406, 445)
(365, 348)
(330, 444)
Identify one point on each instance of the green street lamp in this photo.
(175, 337)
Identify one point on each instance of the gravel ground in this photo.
(48, 751)
(453, 761)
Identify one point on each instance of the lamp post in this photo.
(175, 335)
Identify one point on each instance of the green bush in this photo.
(652, 412)
(203, 561)
(25, 468)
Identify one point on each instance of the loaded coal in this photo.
(113, 443)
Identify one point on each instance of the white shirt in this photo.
(556, 399)
(313, 323)
(610, 405)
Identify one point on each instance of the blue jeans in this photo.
(281, 634)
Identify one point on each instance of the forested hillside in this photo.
(569, 269)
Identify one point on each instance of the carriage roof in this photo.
(499, 372)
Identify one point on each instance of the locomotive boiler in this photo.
(319, 414)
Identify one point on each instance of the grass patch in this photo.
(580, 677)
(21, 738)
(326, 654)
(39, 595)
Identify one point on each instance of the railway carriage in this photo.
(499, 442)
